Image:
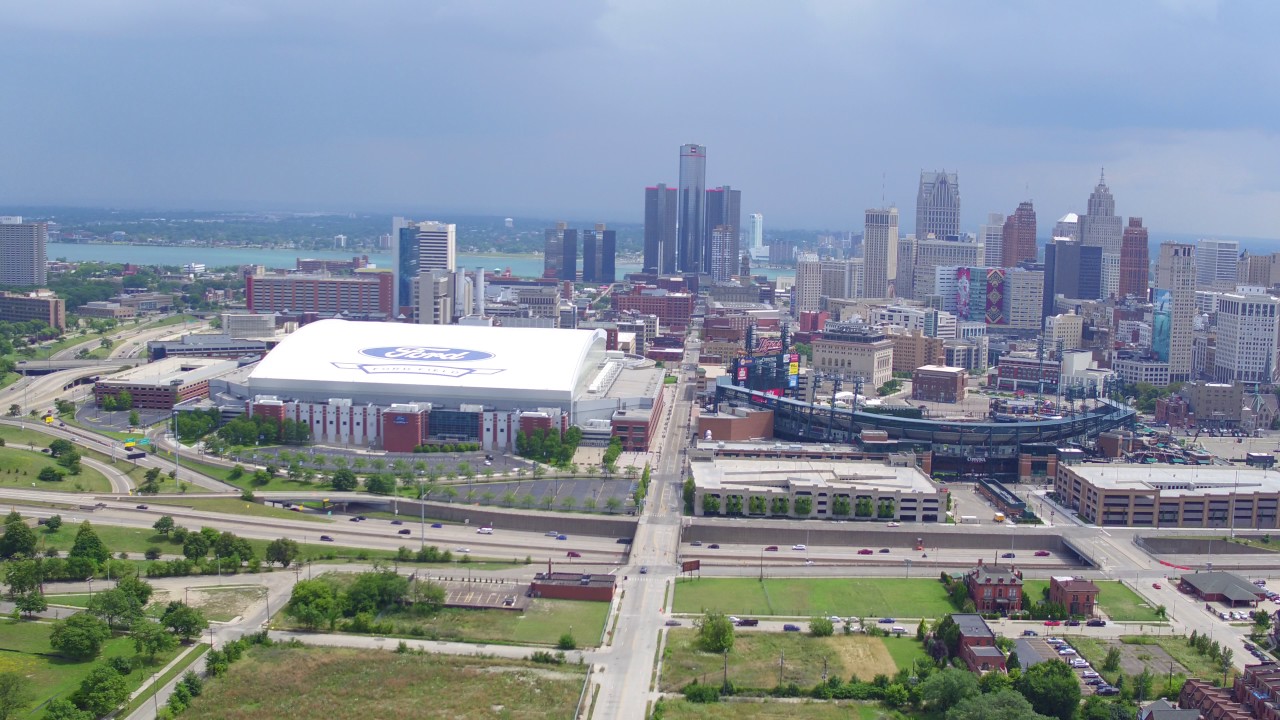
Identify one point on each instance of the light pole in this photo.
(422, 509)
(177, 445)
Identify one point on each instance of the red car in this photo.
(1042, 553)
(1157, 586)
(1053, 623)
(865, 551)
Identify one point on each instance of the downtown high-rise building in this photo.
(938, 205)
(599, 254)
(1068, 226)
(1174, 308)
(23, 250)
(1217, 265)
(1101, 227)
(723, 210)
(1071, 270)
(560, 253)
(416, 248)
(934, 253)
(692, 219)
(807, 293)
(660, 242)
(880, 252)
(1135, 261)
(1247, 330)
(991, 237)
(755, 230)
(904, 285)
(1018, 242)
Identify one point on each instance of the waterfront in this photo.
(214, 257)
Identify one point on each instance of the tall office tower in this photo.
(724, 208)
(1019, 237)
(1101, 227)
(1246, 342)
(938, 205)
(1068, 226)
(1174, 308)
(904, 285)
(599, 248)
(755, 225)
(724, 243)
(1071, 270)
(931, 253)
(808, 288)
(1260, 270)
(1135, 262)
(1024, 290)
(560, 253)
(590, 261)
(1217, 264)
(22, 252)
(660, 242)
(416, 248)
(880, 251)
(840, 278)
(692, 225)
(991, 237)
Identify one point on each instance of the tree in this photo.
(1224, 663)
(566, 642)
(196, 546)
(1112, 661)
(183, 620)
(102, 691)
(134, 419)
(314, 603)
(60, 447)
(15, 693)
(994, 682)
(150, 638)
(53, 523)
(89, 546)
(137, 588)
(18, 539)
(380, 484)
(64, 709)
(30, 603)
(79, 636)
(116, 607)
(344, 480)
(164, 525)
(944, 690)
(49, 473)
(282, 551)
(612, 504)
(715, 632)
(821, 627)
(921, 630)
(1003, 705)
(1051, 688)
(373, 592)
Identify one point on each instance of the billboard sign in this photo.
(962, 293)
(995, 298)
(690, 565)
(1161, 323)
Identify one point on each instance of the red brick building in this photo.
(978, 644)
(1077, 595)
(995, 589)
(673, 309)
(572, 586)
(938, 383)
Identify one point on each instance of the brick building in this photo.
(1077, 595)
(978, 644)
(42, 306)
(995, 589)
(672, 308)
(938, 383)
(324, 294)
(573, 586)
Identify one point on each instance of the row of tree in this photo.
(549, 445)
(322, 602)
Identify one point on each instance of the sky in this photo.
(815, 109)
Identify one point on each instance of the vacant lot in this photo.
(767, 710)
(806, 597)
(757, 658)
(1152, 652)
(343, 684)
(1124, 605)
(24, 647)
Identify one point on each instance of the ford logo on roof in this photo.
(417, 353)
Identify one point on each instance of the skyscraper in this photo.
(1217, 264)
(599, 247)
(23, 248)
(1101, 227)
(938, 205)
(724, 243)
(880, 251)
(560, 253)
(660, 207)
(419, 247)
(904, 285)
(1018, 243)
(1135, 262)
(1174, 302)
(1071, 270)
(692, 224)
(808, 287)
(991, 237)
(1246, 338)
(1068, 226)
(756, 230)
(724, 208)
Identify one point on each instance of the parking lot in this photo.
(1033, 649)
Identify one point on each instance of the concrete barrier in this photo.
(619, 526)
(871, 535)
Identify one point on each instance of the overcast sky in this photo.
(543, 108)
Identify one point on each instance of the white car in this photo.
(894, 524)
(834, 619)
(1089, 674)
(484, 531)
(462, 550)
(733, 619)
(1066, 651)
(799, 547)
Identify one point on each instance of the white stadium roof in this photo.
(441, 363)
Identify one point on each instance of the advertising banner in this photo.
(1162, 323)
(995, 298)
(962, 293)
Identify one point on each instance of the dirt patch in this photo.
(863, 656)
(1133, 658)
(539, 672)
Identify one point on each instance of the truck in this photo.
(999, 517)
(968, 519)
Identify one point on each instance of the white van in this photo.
(898, 630)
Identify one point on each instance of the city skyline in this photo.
(190, 118)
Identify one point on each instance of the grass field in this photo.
(19, 468)
(219, 603)
(542, 624)
(21, 648)
(237, 506)
(187, 661)
(806, 597)
(682, 710)
(15, 436)
(754, 660)
(1176, 646)
(343, 684)
(1122, 604)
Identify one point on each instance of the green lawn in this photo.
(541, 624)
(19, 468)
(755, 658)
(187, 661)
(1122, 604)
(347, 684)
(21, 650)
(1196, 664)
(805, 597)
(803, 710)
(23, 437)
(237, 506)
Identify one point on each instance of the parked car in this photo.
(1089, 674)
(1042, 553)
(405, 531)
(1157, 586)
(325, 538)
(790, 627)
(1107, 690)
(865, 551)
(620, 541)
(713, 546)
(1029, 633)
(1008, 556)
(799, 546)
(1073, 623)
(1095, 681)
(673, 623)
(1097, 622)
(747, 622)
(397, 522)
(1052, 623)
(1066, 651)
(771, 548)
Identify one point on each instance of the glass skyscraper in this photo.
(692, 222)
